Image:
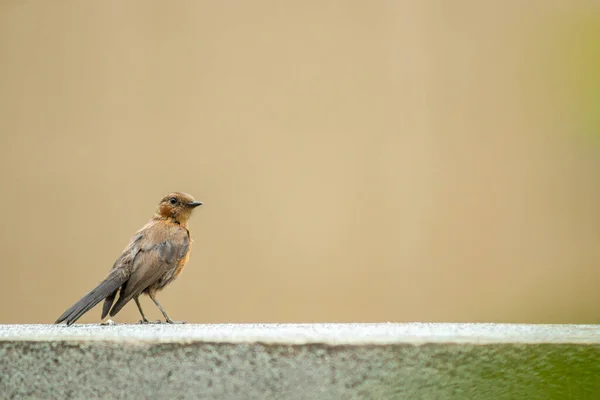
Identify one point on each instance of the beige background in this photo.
(359, 161)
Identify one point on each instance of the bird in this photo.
(154, 257)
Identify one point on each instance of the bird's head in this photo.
(177, 207)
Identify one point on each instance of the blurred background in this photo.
(359, 161)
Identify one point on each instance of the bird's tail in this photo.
(113, 281)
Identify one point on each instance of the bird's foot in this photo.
(109, 322)
(146, 321)
(170, 321)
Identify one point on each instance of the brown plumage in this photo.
(154, 257)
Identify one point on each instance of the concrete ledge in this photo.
(312, 361)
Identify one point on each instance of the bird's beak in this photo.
(195, 204)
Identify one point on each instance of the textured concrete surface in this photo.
(311, 361)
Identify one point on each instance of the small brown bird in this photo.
(154, 257)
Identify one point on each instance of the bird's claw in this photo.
(170, 321)
(146, 321)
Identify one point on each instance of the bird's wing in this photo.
(159, 252)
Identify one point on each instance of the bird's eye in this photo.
(173, 200)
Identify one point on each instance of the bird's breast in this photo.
(183, 261)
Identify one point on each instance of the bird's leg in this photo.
(164, 313)
(144, 320)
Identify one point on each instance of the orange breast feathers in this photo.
(183, 260)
